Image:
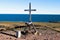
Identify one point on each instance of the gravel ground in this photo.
(43, 35)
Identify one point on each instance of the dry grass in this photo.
(55, 26)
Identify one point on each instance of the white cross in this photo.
(30, 11)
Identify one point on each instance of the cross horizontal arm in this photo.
(26, 10)
(30, 10)
(33, 10)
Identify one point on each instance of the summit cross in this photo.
(30, 11)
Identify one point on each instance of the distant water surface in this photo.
(25, 17)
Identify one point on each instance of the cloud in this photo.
(10, 11)
(21, 11)
(48, 12)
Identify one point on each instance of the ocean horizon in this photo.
(25, 17)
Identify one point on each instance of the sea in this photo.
(25, 17)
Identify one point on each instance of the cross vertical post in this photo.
(30, 11)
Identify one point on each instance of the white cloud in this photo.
(6, 11)
(21, 11)
(48, 11)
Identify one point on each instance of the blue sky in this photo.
(18, 6)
